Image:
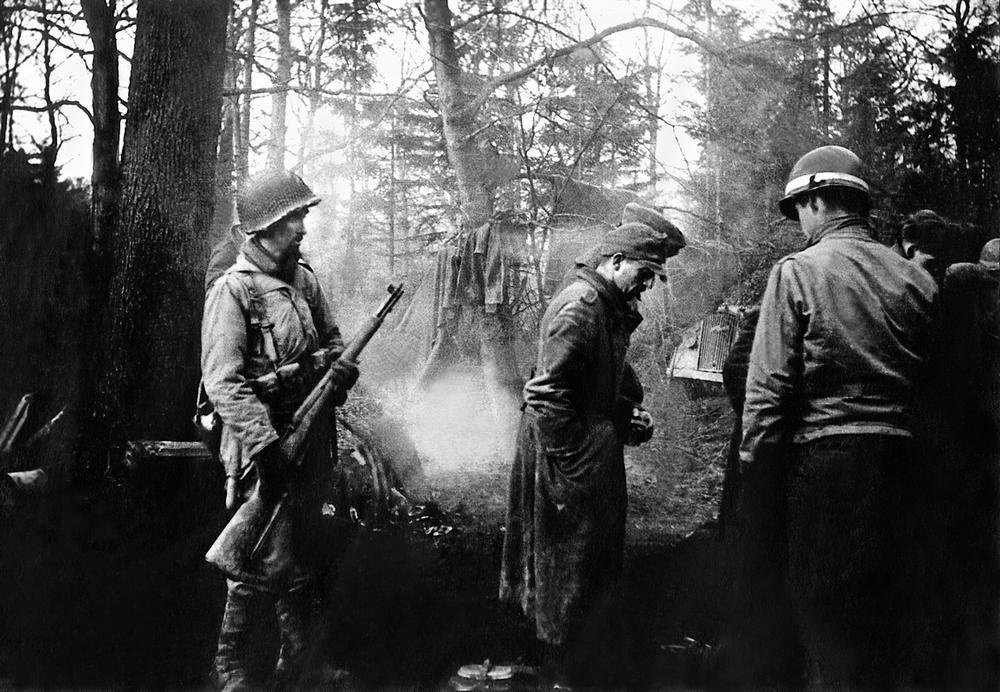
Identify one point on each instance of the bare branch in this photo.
(702, 41)
(63, 103)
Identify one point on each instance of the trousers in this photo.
(847, 558)
(296, 611)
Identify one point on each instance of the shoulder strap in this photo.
(258, 317)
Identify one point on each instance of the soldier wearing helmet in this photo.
(844, 336)
(927, 239)
(265, 311)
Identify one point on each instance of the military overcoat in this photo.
(567, 502)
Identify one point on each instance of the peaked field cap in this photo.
(826, 166)
(639, 242)
(270, 196)
(638, 213)
(989, 256)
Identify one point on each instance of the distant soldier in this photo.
(265, 311)
(964, 412)
(563, 546)
(845, 332)
(734, 380)
(926, 239)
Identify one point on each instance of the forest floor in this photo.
(95, 599)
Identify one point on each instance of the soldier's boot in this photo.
(231, 668)
(297, 612)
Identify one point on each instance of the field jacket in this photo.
(846, 328)
(233, 353)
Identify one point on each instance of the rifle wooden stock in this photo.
(240, 542)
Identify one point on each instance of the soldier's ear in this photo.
(909, 249)
(616, 260)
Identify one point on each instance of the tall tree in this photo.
(246, 98)
(101, 25)
(148, 364)
(470, 157)
(282, 80)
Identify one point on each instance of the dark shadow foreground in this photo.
(100, 592)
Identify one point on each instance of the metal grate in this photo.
(718, 331)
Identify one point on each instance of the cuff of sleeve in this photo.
(260, 438)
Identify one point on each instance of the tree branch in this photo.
(56, 105)
(707, 44)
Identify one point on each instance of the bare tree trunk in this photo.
(50, 109)
(282, 78)
(314, 96)
(148, 369)
(223, 216)
(11, 53)
(100, 18)
(5, 100)
(392, 196)
(469, 160)
(243, 148)
(654, 91)
(473, 162)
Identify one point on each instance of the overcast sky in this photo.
(72, 79)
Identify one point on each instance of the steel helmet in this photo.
(829, 166)
(271, 196)
(989, 256)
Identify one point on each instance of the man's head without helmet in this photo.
(635, 252)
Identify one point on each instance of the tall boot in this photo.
(297, 611)
(231, 667)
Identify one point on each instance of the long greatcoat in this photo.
(566, 511)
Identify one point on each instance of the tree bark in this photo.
(100, 18)
(223, 216)
(47, 68)
(246, 102)
(148, 368)
(306, 141)
(282, 77)
(469, 160)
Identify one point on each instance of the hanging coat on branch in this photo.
(566, 513)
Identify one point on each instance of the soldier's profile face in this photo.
(633, 278)
(288, 232)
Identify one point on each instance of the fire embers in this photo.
(368, 492)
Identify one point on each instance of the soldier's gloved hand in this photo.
(320, 359)
(270, 463)
(345, 374)
(640, 427)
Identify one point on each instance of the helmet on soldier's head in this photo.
(824, 167)
(989, 256)
(271, 196)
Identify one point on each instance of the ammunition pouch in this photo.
(286, 387)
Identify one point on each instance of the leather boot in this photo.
(296, 610)
(231, 669)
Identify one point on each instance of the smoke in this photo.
(460, 424)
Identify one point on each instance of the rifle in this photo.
(241, 540)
